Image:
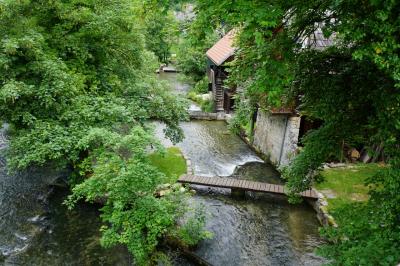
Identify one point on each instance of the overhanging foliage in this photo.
(353, 87)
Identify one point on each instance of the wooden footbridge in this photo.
(240, 184)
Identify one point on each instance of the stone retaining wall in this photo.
(276, 136)
(199, 115)
(321, 207)
(189, 166)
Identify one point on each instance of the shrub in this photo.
(192, 231)
(201, 86)
(207, 106)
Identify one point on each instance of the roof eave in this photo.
(223, 60)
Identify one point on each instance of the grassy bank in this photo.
(171, 163)
(363, 235)
(347, 184)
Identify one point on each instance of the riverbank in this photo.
(171, 162)
(346, 184)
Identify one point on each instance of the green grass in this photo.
(172, 163)
(346, 184)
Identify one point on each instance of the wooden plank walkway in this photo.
(224, 182)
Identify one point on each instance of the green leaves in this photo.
(11, 91)
(78, 87)
(77, 67)
(126, 181)
(191, 51)
(350, 86)
(362, 237)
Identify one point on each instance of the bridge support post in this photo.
(237, 192)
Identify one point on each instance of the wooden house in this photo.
(217, 57)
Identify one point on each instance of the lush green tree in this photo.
(261, 62)
(196, 37)
(76, 86)
(70, 67)
(160, 26)
(127, 182)
(359, 80)
(191, 55)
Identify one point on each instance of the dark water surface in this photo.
(37, 229)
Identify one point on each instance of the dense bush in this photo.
(201, 87)
(362, 237)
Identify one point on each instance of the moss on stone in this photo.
(172, 163)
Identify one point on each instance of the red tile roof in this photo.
(223, 49)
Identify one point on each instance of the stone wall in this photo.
(276, 136)
(321, 208)
(189, 166)
(199, 115)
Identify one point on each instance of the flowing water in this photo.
(180, 87)
(36, 229)
(173, 80)
(259, 230)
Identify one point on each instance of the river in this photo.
(258, 230)
(36, 229)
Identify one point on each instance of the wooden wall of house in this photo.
(217, 77)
